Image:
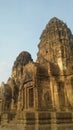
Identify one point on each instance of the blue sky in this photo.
(21, 24)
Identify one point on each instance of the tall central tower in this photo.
(56, 44)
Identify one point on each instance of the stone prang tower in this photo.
(39, 95)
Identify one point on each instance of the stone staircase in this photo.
(39, 121)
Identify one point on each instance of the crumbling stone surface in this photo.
(23, 58)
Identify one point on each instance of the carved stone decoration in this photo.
(47, 99)
(23, 58)
(6, 96)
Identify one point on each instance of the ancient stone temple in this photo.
(39, 95)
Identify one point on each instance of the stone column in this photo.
(54, 94)
(65, 94)
(12, 104)
(25, 98)
(12, 100)
(19, 102)
(35, 98)
(36, 120)
(53, 121)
